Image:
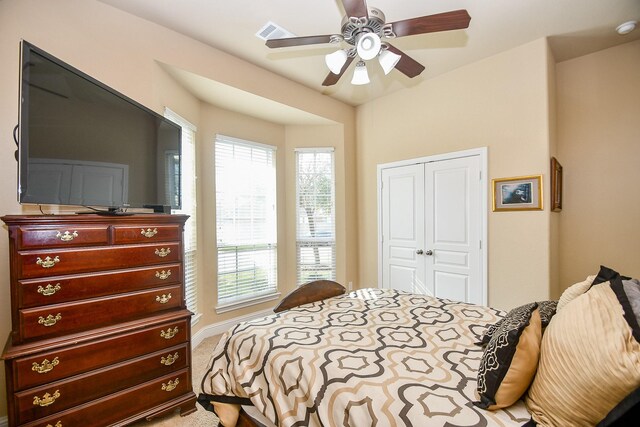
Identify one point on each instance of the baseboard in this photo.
(222, 327)
(4, 422)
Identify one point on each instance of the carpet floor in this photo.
(200, 359)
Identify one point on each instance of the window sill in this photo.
(195, 318)
(223, 308)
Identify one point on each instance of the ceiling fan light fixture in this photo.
(388, 60)
(369, 46)
(335, 61)
(360, 74)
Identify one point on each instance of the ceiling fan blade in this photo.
(407, 65)
(454, 20)
(298, 41)
(333, 78)
(355, 8)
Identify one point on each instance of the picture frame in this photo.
(521, 193)
(556, 185)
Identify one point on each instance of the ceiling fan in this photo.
(365, 31)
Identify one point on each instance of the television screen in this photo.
(83, 143)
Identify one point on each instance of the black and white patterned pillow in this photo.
(510, 359)
(547, 310)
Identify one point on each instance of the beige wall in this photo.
(124, 52)
(599, 149)
(554, 217)
(500, 103)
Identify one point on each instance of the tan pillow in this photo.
(574, 291)
(510, 359)
(589, 362)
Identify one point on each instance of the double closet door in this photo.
(431, 228)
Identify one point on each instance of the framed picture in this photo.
(556, 185)
(522, 193)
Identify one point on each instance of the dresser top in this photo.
(138, 218)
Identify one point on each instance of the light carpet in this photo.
(200, 357)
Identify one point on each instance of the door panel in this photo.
(403, 227)
(451, 286)
(452, 220)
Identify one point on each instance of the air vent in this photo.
(273, 31)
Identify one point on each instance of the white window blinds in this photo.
(315, 215)
(245, 219)
(188, 191)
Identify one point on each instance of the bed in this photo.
(372, 357)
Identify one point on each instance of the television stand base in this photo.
(110, 212)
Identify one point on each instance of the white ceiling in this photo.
(575, 28)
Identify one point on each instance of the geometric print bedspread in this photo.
(372, 357)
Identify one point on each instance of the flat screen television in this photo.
(83, 143)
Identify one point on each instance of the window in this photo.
(245, 222)
(188, 191)
(315, 215)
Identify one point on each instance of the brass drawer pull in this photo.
(170, 359)
(47, 399)
(149, 233)
(48, 262)
(162, 275)
(162, 252)
(163, 299)
(171, 385)
(169, 333)
(66, 236)
(58, 424)
(49, 290)
(50, 320)
(45, 366)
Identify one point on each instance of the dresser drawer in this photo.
(33, 264)
(62, 236)
(146, 233)
(52, 290)
(125, 404)
(60, 395)
(64, 362)
(60, 319)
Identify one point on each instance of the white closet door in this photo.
(403, 228)
(431, 229)
(453, 229)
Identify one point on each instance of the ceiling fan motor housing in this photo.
(353, 27)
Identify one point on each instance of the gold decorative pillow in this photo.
(589, 360)
(510, 359)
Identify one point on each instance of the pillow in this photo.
(607, 274)
(589, 369)
(547, 310)
(574, 291)
(632, 289)
(491, 329)
(510, 359)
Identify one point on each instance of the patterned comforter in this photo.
(373, 357)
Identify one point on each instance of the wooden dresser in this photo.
(100, 330)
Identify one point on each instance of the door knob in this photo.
(429, 252)
(419, 252)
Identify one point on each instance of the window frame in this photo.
(190, 237)
(271, 245)
(316, 242)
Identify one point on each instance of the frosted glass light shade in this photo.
(360, 75)
(335, 61)
(368, 46)
(388, 60)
